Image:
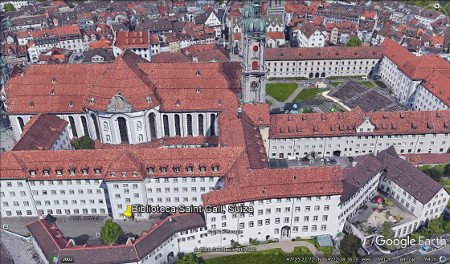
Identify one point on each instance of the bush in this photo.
(349, 245)
(84, 142)
(110, 232)
(253, 242)
(190, 258)
(354, 42)
(388, 202)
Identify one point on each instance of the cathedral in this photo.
(132, 101)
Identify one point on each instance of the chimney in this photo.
(354, 163)
(170, 219)
(194, 58)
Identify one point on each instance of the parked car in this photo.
(424, 250)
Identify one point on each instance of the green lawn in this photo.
(368, 84)
(445, 182)
(334, 84)
(280, 91)
(306, 94)
(439, 167)
(266, 257)
(447, 189)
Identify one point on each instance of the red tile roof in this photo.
(135, 39)
(40, 133)
(262, 184)
(177, 84)
(428, 158)
(342, 124)
(324, 53)
(432, 69)
(275, 35)
(133, 162)
(258, 113)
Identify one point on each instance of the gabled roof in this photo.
(323, 53)
(308, 29)
(40, 133)
(410, 179)
(53, 243)
(260, 184)
(135, 39)
(346, 123)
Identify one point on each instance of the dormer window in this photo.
(46, 172)
(97, 171)
(32, 172)
(85, 171)
(215, 168)
(134, 174)
(163, 169)
(124, 174)
(113, 174)
(71, 172)
(176, 169)
(202, 168)
(190, 169)
(150, 169)
(58, 172)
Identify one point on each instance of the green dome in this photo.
(248, 11)
(255, 25)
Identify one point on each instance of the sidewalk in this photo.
(286, 246)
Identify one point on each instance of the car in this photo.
(364, 78)
(425, 249)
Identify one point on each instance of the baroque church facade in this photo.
(122, 117)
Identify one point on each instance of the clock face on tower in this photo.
(254, 85)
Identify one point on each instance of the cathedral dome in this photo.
(248, 11)
(255, 25)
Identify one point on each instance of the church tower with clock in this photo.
(253, 79)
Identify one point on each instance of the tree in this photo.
(191, 258)
(436, 227)
(349, 245)
(354, 42)
(84, 142)
(110, 232)
(387, 232)
(9, 7)
(447, 170)
(433, 173)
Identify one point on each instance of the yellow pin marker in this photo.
(128, 213)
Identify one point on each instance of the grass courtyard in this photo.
(334, 84)
(306, 94)
(280, 91)
(300, 254)
(368, 84)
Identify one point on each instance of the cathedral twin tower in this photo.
(253, 79)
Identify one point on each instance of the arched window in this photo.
(177, 125)
(72, 125)
(189, 124)
(212, 128)
(123, 130)
(311, 75)
(322, 75)
(152, 122)
(166, 125)
(254, 65)
(85, 127)
(317, 75)
(94, 120)
(200, 125)
(21, 123)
